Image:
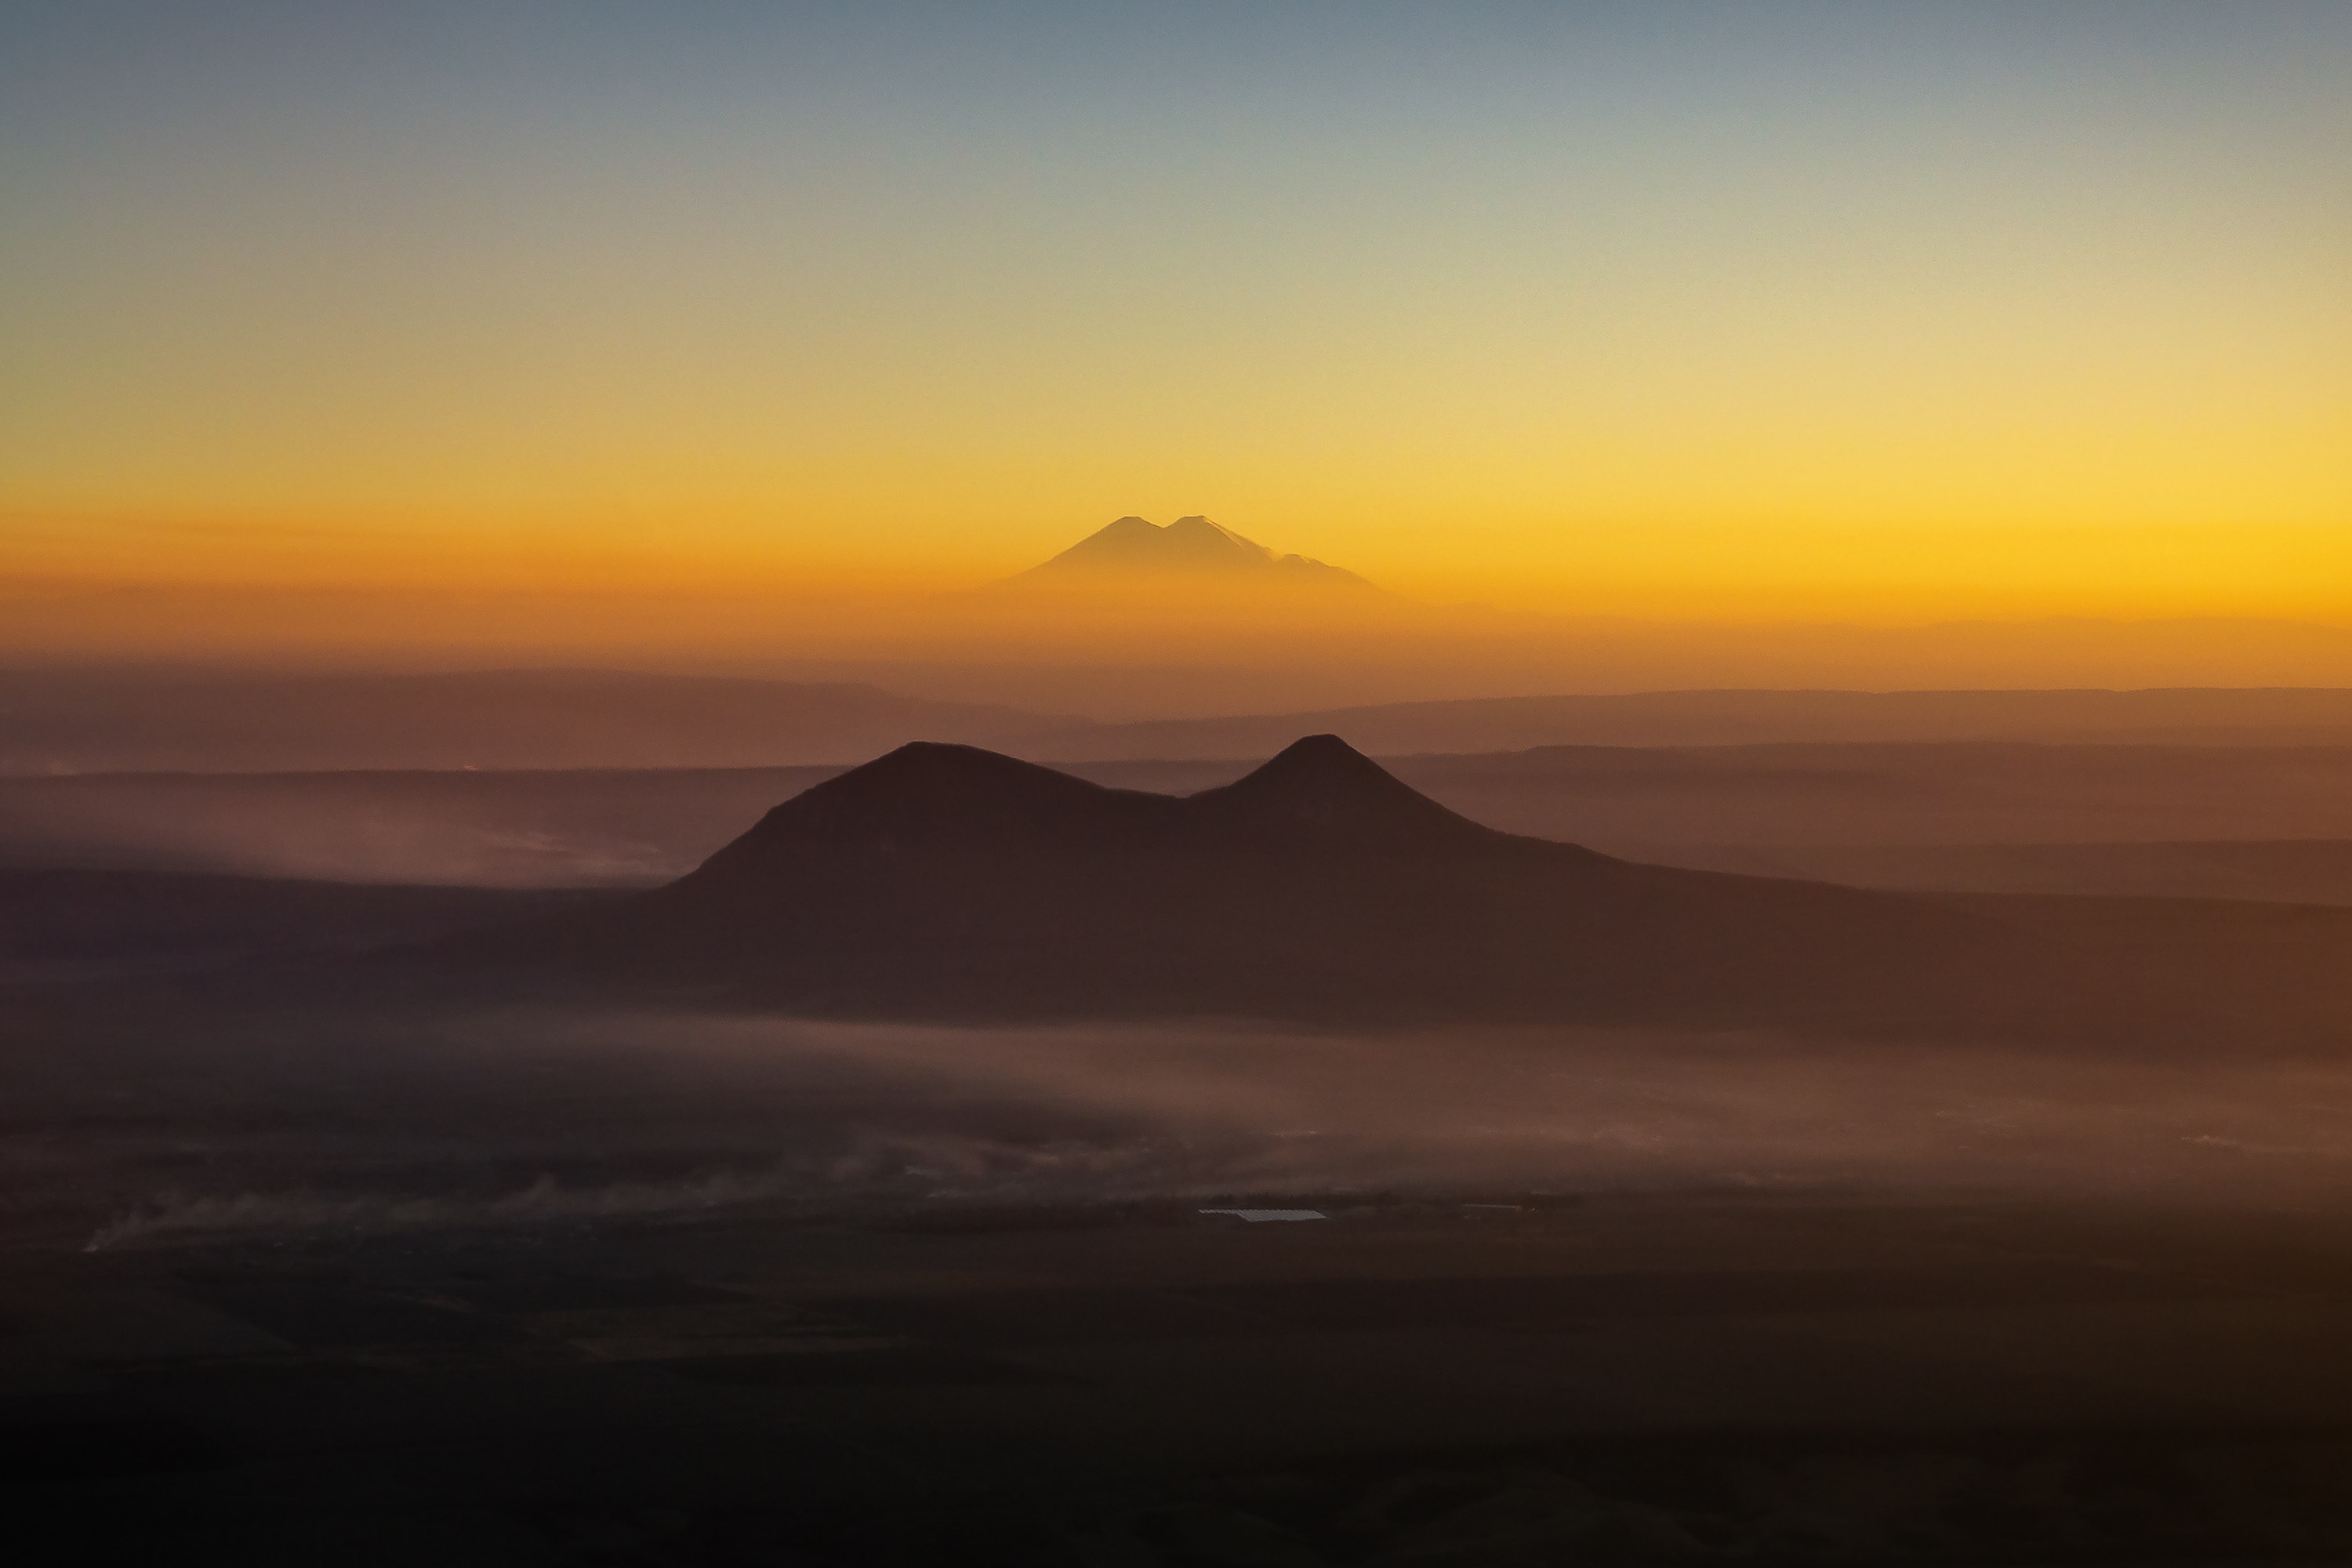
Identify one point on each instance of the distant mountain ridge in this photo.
(1194, 547)
(60, 721)
(195, 721)
(2218, 716)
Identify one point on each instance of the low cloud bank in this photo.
(839, 1118)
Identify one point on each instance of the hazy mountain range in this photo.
(1190, 548)
(213, 721)
(101, 720)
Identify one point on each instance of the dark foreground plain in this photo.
(309, 1284)
(307, 1258)
(1652, 1379)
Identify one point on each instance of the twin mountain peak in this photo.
(948, 882)
(1320, 791)
(1191, 547)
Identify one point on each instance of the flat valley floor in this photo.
(1653, 1378)
(290, 1278)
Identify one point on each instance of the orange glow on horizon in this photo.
(1648, 569)
(1960, 313)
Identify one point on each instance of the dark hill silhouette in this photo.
(948, 882)
(1323, 789)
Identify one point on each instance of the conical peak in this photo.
(1322, 782)
(938, 765)
(1211, 532)
(932, 790)
(1323, 767)
(924, 757)
(937, 754)
(932, 798)
(1188, 542)
(1191, 548)
(1322, 753)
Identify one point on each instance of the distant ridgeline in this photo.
(1135, 550)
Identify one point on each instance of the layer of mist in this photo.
(298, 1126)
(193, 718)
(1160, 656)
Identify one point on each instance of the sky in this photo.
(1876, 312)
